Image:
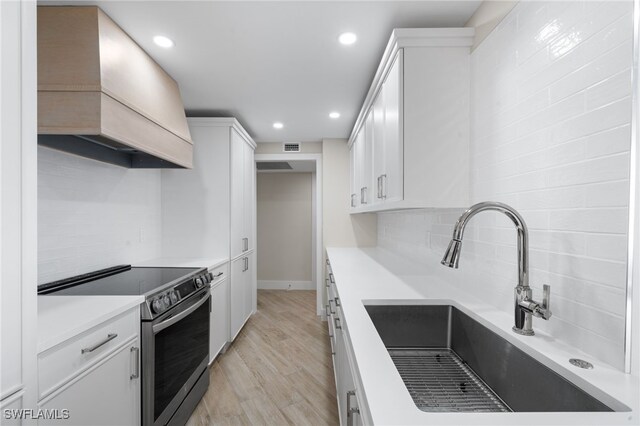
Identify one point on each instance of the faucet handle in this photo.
(543, 310)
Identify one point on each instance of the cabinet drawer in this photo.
(219, 274)
(58, 365)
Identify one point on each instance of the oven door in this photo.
(175, 354)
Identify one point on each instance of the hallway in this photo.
(278, 371)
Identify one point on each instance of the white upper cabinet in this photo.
(410, 144)
(243, 198)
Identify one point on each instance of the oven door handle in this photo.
(169, 322)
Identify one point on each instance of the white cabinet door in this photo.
(378, 148)
(239, 294)
(392, 176)
(363, 162)
(108, 394)
(10, 201)
(249, 196)
(353, 199)
(366, 162)
(249, 285)
(237, 194)
(219, 319)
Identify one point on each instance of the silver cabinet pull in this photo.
(383, 186)
(331, 310)
(326, 282)
(333, 281)
(328, 263)
(351, 410)
(246, 264)
(336, 323)
(109, 338)
(136, 372)
(353, 200)
(379, 186)
(245, 244)
(337, 299)
(363, 195)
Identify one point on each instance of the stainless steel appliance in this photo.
(174, 332)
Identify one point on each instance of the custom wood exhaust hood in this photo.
(101, 96)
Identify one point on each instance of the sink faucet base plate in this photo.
(523, 332)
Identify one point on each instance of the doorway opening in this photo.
(289, 222)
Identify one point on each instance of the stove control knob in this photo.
(166, 300)
(174, 297)
(157, 305)
(205, 278)
(210, 276)
(199, 282)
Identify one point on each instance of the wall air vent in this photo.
(273, 165)
(291, 147)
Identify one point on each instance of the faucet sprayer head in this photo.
(452, 255)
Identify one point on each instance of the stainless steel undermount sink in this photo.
(452, 363)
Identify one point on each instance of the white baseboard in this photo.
(285, 285)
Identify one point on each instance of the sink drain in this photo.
(581, 363)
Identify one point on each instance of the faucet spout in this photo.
(523, 293)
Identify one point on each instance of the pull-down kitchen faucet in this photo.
(525, 306)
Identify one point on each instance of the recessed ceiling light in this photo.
(163, 41)
(347, 38)
(334, 114)
(278, 125)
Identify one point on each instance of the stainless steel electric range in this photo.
(174, 330)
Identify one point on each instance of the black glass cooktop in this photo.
(121, 280)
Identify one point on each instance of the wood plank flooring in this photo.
(278, 371)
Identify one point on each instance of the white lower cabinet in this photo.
(347, 392)
(107, 394)
(93, 378)
(219, 325)
(242, 292)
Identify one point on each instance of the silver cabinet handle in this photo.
(333, 281)
(353, 200)
(246, 264)
(351, 410)
(245, 244)
(337, 299)
(383, 186)
(336, 323)
(379, 187)
(326, 282)
(363, 195)
(109, 338)
(331, 310)
(328, 263)
(219, 274)
(136, 373)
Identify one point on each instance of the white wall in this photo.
(93, 215)
(551, 113)
(284, 216)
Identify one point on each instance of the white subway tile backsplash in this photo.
(550, 135)
(93, 215)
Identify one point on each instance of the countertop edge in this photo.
(116, 305)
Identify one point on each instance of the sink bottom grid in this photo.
(438, 380)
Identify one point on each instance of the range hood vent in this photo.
(273, 165)
(101, 96)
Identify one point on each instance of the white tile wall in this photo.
(551, 113)
(93, 215)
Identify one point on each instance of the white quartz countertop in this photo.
(374, 276)
(63, 317)
(184, 262)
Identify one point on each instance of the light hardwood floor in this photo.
(278, 371)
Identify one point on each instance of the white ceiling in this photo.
(267, 61)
